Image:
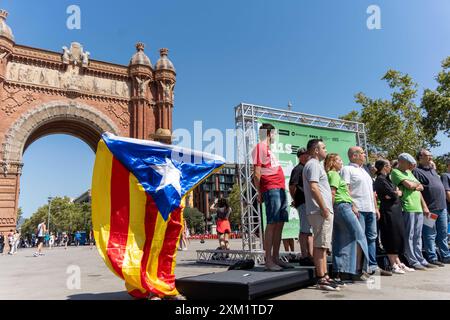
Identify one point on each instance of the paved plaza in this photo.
(25, 277)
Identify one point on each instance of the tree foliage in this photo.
(393, 126)
(234, 201)
(436, 103)
(441, 163)
(19, 216)
(194, 219)
(65, 216)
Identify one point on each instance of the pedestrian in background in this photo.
(16, 242)
(65, 240)
(2, 243)
(51, 241)
(10, 241)
(223, 211)
(40, 233)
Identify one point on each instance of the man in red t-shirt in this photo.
(270, 183)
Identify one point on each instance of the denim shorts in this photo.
(276, 206)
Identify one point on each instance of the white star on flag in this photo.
(171, 175)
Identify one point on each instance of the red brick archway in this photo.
(44, 92)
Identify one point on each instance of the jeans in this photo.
(436, 235)
(368, 221)
(347, 235)
(305, 227)
(413, 243)
(2, 246)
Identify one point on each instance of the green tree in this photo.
(393, 126)
(65, 216)
(19, 216)
(441, 163)
(436, 103)
(194, 219)
(234, 201)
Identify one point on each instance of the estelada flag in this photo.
(138, 190)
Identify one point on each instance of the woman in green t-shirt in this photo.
(349, 241)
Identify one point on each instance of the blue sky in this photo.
(316, 54)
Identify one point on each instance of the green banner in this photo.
(290, 138)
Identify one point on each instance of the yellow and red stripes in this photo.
(132, 237)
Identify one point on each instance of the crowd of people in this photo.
(355, 212)
(13, 239)
(42, 238)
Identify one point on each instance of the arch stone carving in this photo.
(18, 135)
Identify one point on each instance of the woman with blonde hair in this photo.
(349, 241)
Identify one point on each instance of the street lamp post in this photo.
(48, 218)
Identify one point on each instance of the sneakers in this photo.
(420, 267)
(405, 268)
(437, 263)
(364, 277)
(338, 282)
(36, 254)
(178, 297)
(326, 285)
(153, 296)
(396, 269)
(430, 266)
(382, 272)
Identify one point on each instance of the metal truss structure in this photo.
(246, 120)
(229, 257)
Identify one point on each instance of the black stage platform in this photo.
(244, 284)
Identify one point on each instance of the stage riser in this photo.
(234, 285)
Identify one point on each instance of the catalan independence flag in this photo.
(138, 191)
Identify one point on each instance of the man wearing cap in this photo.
(413, 206)
(298, 195)
(360, 185)
(434, 196)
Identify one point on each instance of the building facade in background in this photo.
(218, 185)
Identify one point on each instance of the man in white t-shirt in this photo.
(361, 190)
(41, 230)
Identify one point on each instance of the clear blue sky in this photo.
(317, 54)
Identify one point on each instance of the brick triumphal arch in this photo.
(44, 92)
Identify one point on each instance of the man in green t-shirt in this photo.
(413, 206)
